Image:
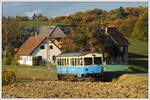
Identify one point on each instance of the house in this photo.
(37, 46)
(119, 46)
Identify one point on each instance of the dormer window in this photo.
(42, 47)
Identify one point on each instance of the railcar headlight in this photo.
(86, 69)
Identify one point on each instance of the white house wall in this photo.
(54, 52)
(26, 60)
(43, 52)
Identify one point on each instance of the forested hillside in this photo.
(131, 21)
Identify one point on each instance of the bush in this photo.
(8, 76)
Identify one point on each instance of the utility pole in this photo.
(48, 56)
(49, 39)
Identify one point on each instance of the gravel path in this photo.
(61, 89)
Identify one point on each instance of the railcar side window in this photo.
(75, 61)
(72, 61)
(62, 62)
(87, 61)
(57, 62)
(78, 60)
(67, 61)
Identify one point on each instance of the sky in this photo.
(53, 9)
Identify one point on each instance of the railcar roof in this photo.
(72, 54)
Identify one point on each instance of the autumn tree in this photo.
(121, 13)
(141, 27)
(127, 25)
(25, 18)
(10, 30)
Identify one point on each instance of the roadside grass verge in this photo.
(36, 72)
(139, 65)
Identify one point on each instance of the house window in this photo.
(54, 58)
(42, 47)
(51, 47)
(39, 58)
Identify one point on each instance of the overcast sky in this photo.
(53, 9)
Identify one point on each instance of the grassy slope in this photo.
(37, 23)
(138, 47)
(138, 55)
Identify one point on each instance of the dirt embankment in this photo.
(60, 89)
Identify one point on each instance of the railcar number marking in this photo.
(63, 69)
(72, 69)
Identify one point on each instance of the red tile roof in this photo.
(30, 45)
(117, 36)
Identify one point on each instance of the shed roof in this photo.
(30, 45)
(117, 36)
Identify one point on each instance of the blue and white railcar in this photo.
(82, 64)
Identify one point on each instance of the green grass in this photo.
(138, 47)
(138, 55)
(34, 72)
(37, 23)
(128, 78)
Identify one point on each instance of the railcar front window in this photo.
(97, 60)
(87, 61)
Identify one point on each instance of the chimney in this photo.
(92, 49)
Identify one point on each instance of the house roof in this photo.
(46, 30)
(30, 45)
(117, 36)
(57, 33)
(52, 31)
(66, 28)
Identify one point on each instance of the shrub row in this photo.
(8, 76)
